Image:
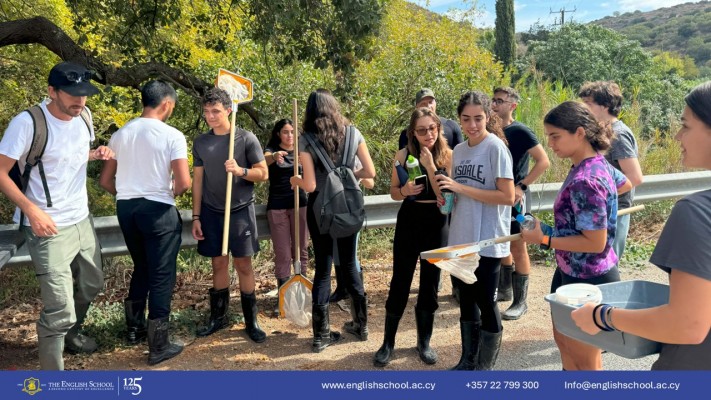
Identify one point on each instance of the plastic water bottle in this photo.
(448, 195)
(528, 222)
(413, 167)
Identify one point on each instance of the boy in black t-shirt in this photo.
(523, 145)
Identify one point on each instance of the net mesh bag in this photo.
(297, 304)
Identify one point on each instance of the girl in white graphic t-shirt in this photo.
(482, 178)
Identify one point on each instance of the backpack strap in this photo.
(320, 151)
(39, 144)
(351, 149)
(86, 117)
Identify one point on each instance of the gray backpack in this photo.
(339, 205)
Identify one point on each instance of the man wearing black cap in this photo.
(60, 238)
(452, 131)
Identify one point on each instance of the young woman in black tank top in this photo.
(420, 226)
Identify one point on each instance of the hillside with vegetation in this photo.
(684, 29)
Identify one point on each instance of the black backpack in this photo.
(339, 205)
(34, 156)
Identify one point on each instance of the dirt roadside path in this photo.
(527, 343)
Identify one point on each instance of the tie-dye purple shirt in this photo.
(587, 201)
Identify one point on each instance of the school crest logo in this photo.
(31, 386)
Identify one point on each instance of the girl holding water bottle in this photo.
(683, 251)
(585, 211)
(420, 226)
(482, 179)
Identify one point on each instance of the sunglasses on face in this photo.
(424, 131)
(77, 77)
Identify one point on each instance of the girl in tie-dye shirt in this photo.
(585, 215)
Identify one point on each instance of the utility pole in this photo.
(562, 12)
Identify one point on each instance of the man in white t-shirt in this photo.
(147, 151)
(59, 234)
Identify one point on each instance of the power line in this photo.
(562, 12)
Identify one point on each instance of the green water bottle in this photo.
(413, 167)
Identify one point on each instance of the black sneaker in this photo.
(80, 344)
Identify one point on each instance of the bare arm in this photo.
(101, 153)
(398, 193)
(503, 194)
(368, 170)
(198, 173)
(258, 173)
(368, 183)
(107, 179)
(630, 167)
(586, 242)
(685, 320)
(181, 176)
(625, 188)
(540, 164)
(308, 180)
(41, 223)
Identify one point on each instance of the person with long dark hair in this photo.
(683, 251)
(482, 180)
(585, 212)
(279, 154)
(325, 121)
(418, 213)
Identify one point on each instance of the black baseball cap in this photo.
(72, 78)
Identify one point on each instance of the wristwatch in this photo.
(244, 172)
(523, 186)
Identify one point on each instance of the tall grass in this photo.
(658, 152)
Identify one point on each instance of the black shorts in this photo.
(243, 240)
(560, 278)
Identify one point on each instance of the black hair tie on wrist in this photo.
(597, 307)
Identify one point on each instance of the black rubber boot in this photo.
(470, 346)
(135, 311)
(75, 342)
(323, 335)
(520, 292)
(425, 324)
(359, 325)
(249, 308)
(385, 352)
(340, 293)
(505, 292)
(159, 346)
(489, 345)
(219, 305)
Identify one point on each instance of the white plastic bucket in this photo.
(577, 294)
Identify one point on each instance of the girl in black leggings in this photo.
(420, 227)
(482, 178)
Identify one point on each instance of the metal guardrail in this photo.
(381, 211)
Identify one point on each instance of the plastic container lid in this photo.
(577, 294)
